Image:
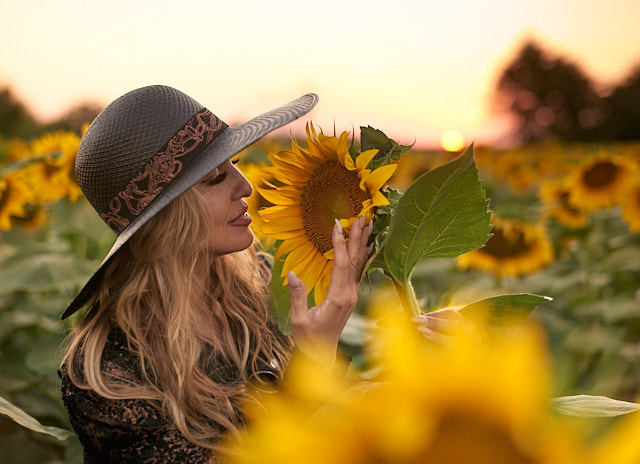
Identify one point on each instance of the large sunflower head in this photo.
(515, 248)
(318, 185)
(601, 181)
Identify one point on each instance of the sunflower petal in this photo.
(364, 158)
(280, 196)
(288, 224)
(376, 180)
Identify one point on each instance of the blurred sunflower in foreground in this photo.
(316, 187)
(515, 248)
(601, 181)
(471, 401)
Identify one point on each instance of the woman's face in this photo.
(223, 190)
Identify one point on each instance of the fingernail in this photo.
(419, 318)
(361, 221)
(424, 330)
(339, 226)
(294, 281)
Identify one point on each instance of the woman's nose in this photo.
(243, 186)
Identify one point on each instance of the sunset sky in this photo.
(414, 69)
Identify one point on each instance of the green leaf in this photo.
(19, 416)
(388, 149)
(441, 215)
(592, 406)
(503, 310)
(16, 165)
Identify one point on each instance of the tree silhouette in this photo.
(548, 97)
(622, 110)
(15, 120)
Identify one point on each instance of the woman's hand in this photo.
(441, 325)
(316, 331)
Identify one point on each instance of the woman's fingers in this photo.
(349, 258)
(298, 295)
(445, 321)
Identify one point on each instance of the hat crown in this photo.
(125, 136)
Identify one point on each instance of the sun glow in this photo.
(452, 141)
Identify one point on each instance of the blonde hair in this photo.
(161, 291)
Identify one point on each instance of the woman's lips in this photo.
(243, 219)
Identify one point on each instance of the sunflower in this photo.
(319, 185)
(515, 248)
(601, 181)
(34, 219)
(475, 401)
(555, 200)
(631, 208)
(14, 196)
(54, 177)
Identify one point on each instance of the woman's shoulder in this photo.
(119, 365)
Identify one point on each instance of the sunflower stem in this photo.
(407, 297)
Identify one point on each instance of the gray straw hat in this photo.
(150, 146)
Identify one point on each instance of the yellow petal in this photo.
(286, 225)
(280, 196)
(313, 271)
(279, 212)
(376, 180)
(364, 158)
(321, 288)
(291, 244)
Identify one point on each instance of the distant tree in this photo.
(622, 110)
(15, 119)
(76, 117)
(548, 97)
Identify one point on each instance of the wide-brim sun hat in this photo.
(151, 145)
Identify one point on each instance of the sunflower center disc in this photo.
(601, 174)
(332, 192)
(505, 246)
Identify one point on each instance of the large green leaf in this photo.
(441, 215)
(503, 310)
(592, 406)
(19, 416)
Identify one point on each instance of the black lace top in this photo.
(128, 431)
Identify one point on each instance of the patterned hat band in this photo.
(178, 153)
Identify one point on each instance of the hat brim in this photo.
(231, 141)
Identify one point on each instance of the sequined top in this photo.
(130, 430)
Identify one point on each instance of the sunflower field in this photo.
(558, 386)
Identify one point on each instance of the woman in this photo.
(177, 320)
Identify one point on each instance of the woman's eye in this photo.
(214, 180)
